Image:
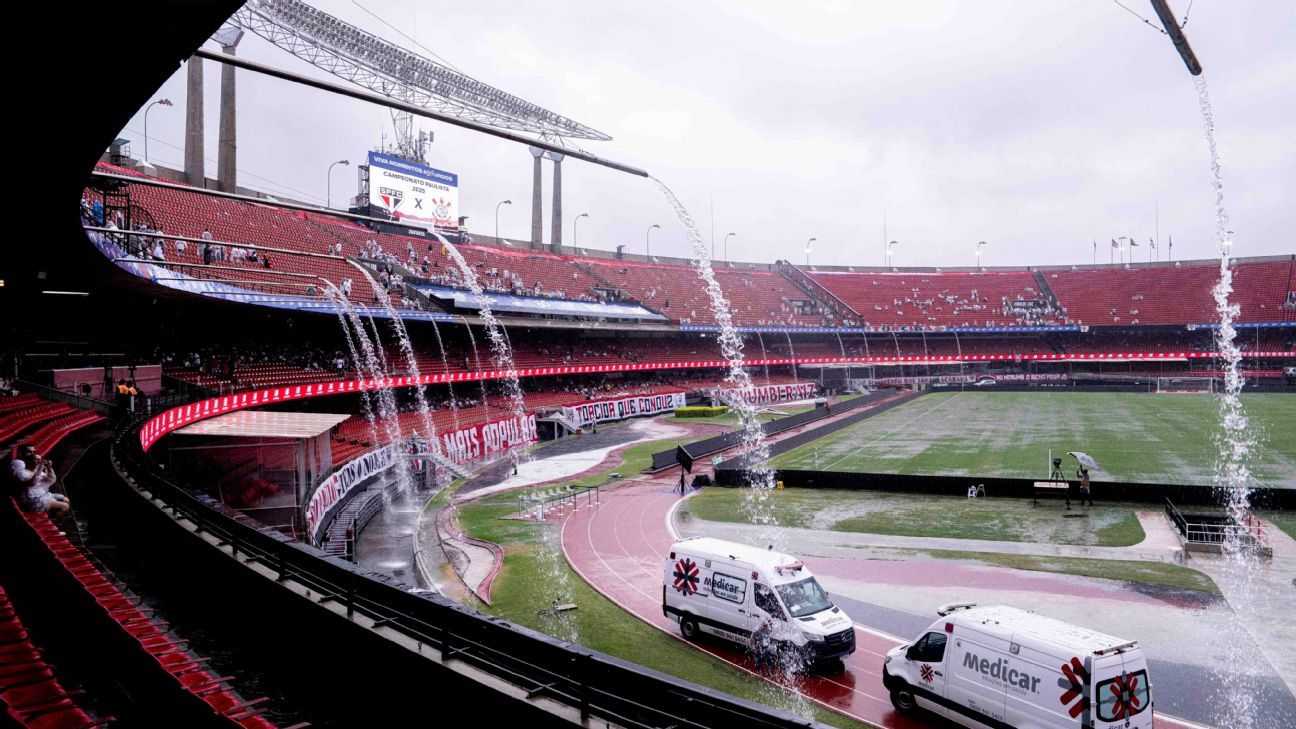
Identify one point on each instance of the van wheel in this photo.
(689, 627)
(904, 701)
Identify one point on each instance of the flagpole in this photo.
(1158, 225)
(1095, 256)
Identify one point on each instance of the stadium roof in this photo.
(265, 424)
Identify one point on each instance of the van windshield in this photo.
(804, 598)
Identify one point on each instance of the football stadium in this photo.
(311, 418)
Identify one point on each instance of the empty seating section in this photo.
(29, 691)
(15, 422)
(53, 432)
(178, 212)
(919, 300)
(156, 646)
(1171, 294)
(758, 296)
(41, 424)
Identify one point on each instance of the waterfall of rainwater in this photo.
(1237, 442)
(757, 475)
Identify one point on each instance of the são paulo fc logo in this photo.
(686, 576)
(391, 197)
(1075, 687)
(926, 673)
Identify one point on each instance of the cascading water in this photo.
(411, 362)
(757, 475)
(764, 356)
(796, 375)
(1234, 481)
(555, 583)
(500, 350)
(476, 362)
(370, 365)
(445, 368)
(367, 401)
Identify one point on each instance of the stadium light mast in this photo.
(812, 240)
(147, 109)
(574, 222)
(978, 252)
(726, 244)
(355, 55)
(647, 250)
(497, 207)
(890, 262)
(329, 200)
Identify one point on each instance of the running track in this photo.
(619, 547)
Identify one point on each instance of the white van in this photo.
(1002, 667)
(728, 590)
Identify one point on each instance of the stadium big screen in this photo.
(414, 193)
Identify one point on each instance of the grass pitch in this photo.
(1133, 436)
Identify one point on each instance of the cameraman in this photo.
(33, 477)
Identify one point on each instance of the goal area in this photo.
(1187, 385)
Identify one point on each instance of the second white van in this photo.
(1002, 667)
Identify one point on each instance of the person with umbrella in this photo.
(1086, 462)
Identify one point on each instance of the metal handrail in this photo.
(596, 684)
(78, 401)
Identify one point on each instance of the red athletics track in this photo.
(619, 547)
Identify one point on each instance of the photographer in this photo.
(33, 477)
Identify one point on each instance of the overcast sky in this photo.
(1035, 125)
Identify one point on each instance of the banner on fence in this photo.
(767, 394)
(336, 486)
(484, 440)
(597, 411)
(1009, 377)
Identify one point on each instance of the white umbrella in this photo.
(1085, 460)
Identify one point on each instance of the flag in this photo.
(1114, 245)
(1133, 243)
(1152, 243)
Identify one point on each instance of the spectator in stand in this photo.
(32, 478)
(159, 250)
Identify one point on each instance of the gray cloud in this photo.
(1037, 126)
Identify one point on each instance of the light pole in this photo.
(342, 162)
(497, 207)
(812, 240)
(647, 250)
(979, 244)
(147, 109)
(574, 222)
(889, 261)
(726, 244)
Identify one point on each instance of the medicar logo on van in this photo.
(998, 671)
(726, 587)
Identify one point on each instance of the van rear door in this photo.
(1122, 694)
